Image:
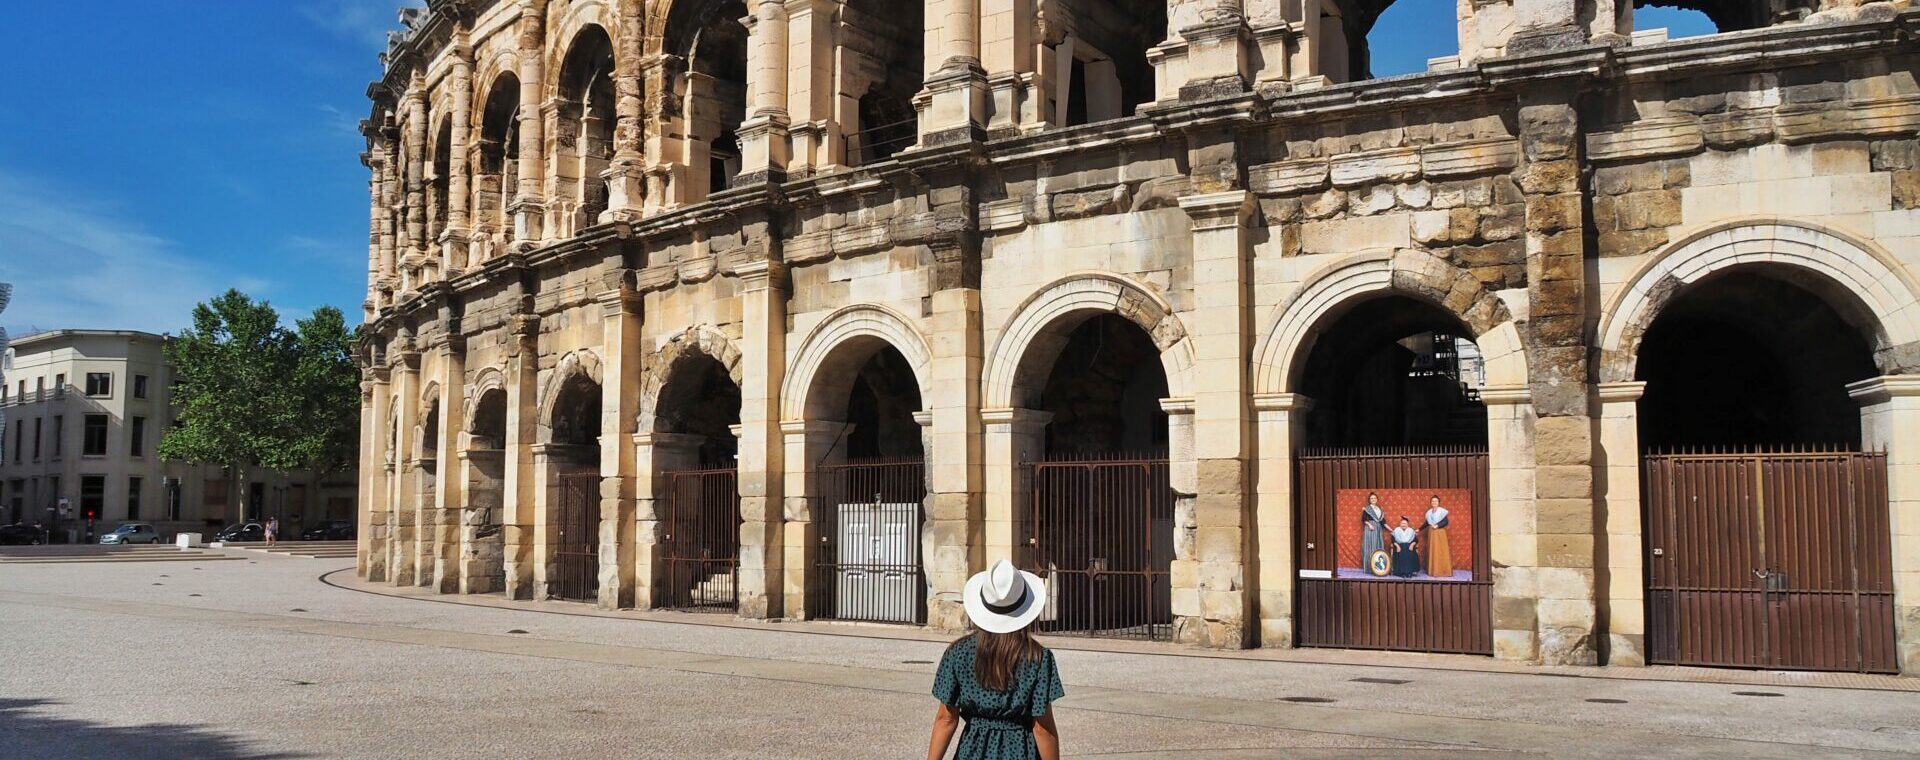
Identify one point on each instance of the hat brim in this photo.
(1011, 620)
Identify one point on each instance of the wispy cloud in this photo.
(365, 20)
(76, 263)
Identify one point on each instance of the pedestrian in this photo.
(273, 529)
(999, 679)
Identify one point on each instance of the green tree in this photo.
(324, 438)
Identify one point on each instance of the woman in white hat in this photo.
(999, 679)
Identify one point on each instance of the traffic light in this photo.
(89, 515)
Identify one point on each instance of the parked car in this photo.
(132, 533)
(21, 535)
(331, 530)
(252, 531)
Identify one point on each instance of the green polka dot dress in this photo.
(999, 723)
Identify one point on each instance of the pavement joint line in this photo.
(1465, 733)
(1330, 657)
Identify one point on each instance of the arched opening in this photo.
(495, 183)
(1367, 39)
(573, 501)
(1689, 18)
(1101, 516)
(482, 547)
(696, 489)
(1391, 485)
(1656, 23)
(870, 484)
(709, 37)
(1766, 524)
(584, 143)
(439, 183)
(884, 66)
(1099, 58)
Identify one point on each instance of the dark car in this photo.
(244, 532)
(331, 530)
(22, 535)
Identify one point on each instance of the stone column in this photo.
(952, 534)
(1216, 63)
(523, 394)
(626, 173)
(1279, 423)
(809, 444)
(376, 514)
(1545, 25)
(1623, 577)
(764, 147)
(529, 204)
(656, 455)
(1219, 328)
(545, 493)
(373, 159)
(405, 364)
(810, 87)
(1890, 421)
(451, 491)
(955, 97)
(1183, 475)
(415, 258)
(620, 311)
(761, 455)
(456, 238)
(1013, 438)
(390, 192)
(1007, 47)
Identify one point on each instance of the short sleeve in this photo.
(1046, 685)
(946, 680)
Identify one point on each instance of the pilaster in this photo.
(1279, 424)
(1012, 439)
(761, 458)
(1622, 578)
(456, 239)
(404, 362)
(529, 203)
(809, 444)
(1890, 421)
(523, 392)
(620, 310)
(451, 490)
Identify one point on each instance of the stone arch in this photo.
(490, 379)
(1865, 284)
(1281, 354)
(426, 439)
(702, 340)
(582, 363)
(825, 349)
(562, 35)
(1040, 327)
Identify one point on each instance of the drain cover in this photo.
(1387, 681)
(516, 630)
(1758, 694)
(1607, 701)
(916, 662)
(1307, 700)
(193, 595)
(297, 609)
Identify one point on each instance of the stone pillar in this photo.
(954, 102)
(456, 238)
(450, 492)
(620, 407)
(482, 474)
(809, 443)
(761, 455)
(1890, 421)
(1216, 63)
(368, 464)
(810, 87)
(1545, 25)
(390, 191)
(523, 399)
(1189, 618)
(415, 258)
(1013, 438)
(952, 534)
(626, 173)
(529, 205)
(1219, 327)
(764, 147)
(377, 508)
(1007, 47)
(1623, 577)
(546, 486)
(375, 161)
(405, 363)
(656, 455)
(1513, 545)
(1279, 424)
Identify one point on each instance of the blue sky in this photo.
(161, 155)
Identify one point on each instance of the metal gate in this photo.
(576, 543)
(1777, 559)
(701, 541)
(1384, 612)
(868, 564)
(1103, 541)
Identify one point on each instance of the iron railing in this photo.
(867, 565)
(576, 546)
(1103, 542)
(881, 142)
(700, 535)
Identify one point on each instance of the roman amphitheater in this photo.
(807, 309)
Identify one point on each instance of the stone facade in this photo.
(1551, 190)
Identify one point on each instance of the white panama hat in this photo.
(1004, 599)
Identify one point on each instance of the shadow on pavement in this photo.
(27, 731)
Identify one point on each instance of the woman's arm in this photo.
(1047, 736)
(945, 720)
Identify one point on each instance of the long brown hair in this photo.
(997, 656)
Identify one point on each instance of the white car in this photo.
(132, 533)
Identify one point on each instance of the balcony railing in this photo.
(33, 397)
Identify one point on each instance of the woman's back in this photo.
(999, 723)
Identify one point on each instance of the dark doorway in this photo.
(700, 516)
(574, 498)
(871, 501)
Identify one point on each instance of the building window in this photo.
(256, 493)
(133, 498)
(173, 497)
(99, 384)
(137, 435)
(139, 386)
(93, 495)
(59, 434)
(36, 439)
(94, 444)
(19, 438)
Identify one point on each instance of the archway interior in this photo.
(700, 399)
(438, 190)
(884, 66)
(1751, 358)
(486, 484)
(488, 430)
(1394, 371)
(1104, 391)
(713, 43)
(587, 119)
(881, 403)
(499, 175)
(430, 431)
(576, 422)
(1102, 46)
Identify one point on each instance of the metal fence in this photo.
(1777, 559)
(1103, 541)
(576, 543)
(867, 566)
(701, 541)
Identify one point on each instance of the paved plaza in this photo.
(265, 659)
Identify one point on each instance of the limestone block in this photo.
(1566, 550)
(1517, 645)
(1563, 515)
(1222, 605)
(1514, 613)
(1390, 165)
(1565, 583)
(1383, 232)
(1628, 650)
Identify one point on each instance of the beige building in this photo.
(811, 308)
(85, 411)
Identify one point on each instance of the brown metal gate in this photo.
(701, 541)
(1769, 559)
(1103, 541)
(1388, 613)
(576, 543)
(867, 567)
